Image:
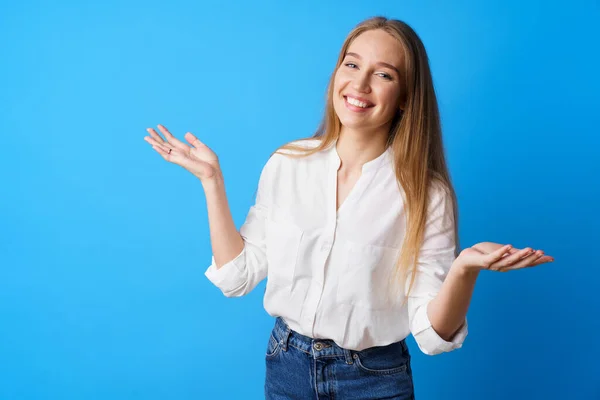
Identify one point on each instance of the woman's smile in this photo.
(356, 105)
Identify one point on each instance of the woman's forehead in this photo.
(377, 46)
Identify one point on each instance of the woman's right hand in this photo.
(198, 158)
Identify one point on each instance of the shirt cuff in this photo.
(231, 276)
(429, 341)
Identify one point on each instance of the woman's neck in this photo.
(356, 148)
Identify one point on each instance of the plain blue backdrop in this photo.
(103, 244)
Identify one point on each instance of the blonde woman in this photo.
(355, 229)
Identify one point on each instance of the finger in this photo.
(155, 135)
(175, 155)
(515, 257)
(511, 259)
(541, 260)
(165, 154)
(164, 146)
(526, 262)
(492, 258)
(511, 251)
(501, 251)
(155, 142)
(159, 149)
(172, 139)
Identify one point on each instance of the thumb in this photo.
(193, 140)
(499, 253)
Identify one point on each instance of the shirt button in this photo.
(326, 246)
(318, 346)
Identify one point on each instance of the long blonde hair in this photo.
(415, 136)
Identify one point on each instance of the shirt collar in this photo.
(370, 166)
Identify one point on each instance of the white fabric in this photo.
(328, 271)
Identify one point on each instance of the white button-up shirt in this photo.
(328, 271)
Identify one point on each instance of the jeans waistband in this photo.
(320, 348)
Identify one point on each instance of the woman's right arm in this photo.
(239, 258)
(226, 241)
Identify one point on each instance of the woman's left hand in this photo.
(498, 257)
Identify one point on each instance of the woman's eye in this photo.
(382, 74)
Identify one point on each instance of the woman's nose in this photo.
(361, 83)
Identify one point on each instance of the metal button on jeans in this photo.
(318, 346)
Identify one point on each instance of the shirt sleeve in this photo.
(239, 276)
(435, 258)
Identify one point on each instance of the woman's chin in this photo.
(354, 123)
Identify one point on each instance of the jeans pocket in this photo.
(386, 360)
(273, 347)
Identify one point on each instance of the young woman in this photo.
(355, 230)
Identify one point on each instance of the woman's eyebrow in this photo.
(381, 63)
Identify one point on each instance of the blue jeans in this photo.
(300, 367)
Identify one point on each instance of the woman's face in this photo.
(367, 85)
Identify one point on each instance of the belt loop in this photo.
(348, 355)
(286, 338)
(404, 345)
(286, 335)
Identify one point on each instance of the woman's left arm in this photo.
(448, 310)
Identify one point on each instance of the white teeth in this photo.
(355, 102)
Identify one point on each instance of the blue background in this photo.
(104, 245)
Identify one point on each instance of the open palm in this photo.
(499, 257)
(196, 157)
